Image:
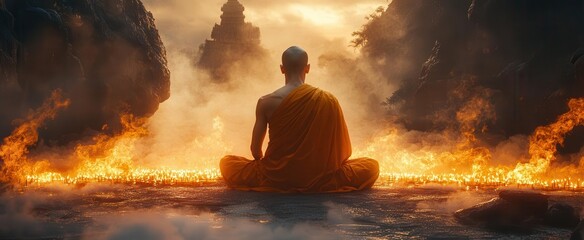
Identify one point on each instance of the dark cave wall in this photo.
(106, 56)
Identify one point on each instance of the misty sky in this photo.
(315, 24)
(321, 27)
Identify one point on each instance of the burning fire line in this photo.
(112, 159)
(469, 165)
(135, 176)
(466, 180)
(14, 150)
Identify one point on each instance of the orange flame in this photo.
(112, 159)
(405, 156)
(440, 159)
(14, 149)
(544, 142)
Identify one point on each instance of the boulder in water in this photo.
(512, 210)
(562, 216)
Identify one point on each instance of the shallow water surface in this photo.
(214, 212)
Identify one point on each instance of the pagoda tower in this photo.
(233, 40)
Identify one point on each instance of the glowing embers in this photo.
(14, 149)
(469, 181)
(104, 159)
(544, 142)
(457, 159)
(406, 157)
(135, 176)
(114, 159)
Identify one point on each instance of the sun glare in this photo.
(317, 15)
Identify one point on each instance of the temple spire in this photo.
(230, 40)
(232, 13)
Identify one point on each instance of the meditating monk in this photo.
(309, 145)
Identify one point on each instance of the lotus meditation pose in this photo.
(309, 145)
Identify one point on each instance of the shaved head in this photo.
(294, 60)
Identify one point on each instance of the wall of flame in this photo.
(456, 158)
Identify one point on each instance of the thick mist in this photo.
(203, 120)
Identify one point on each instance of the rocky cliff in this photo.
(521, 56)
(106, 56)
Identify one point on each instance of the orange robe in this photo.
(308, 150)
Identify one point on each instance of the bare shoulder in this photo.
(276, 96)
(269, 101)
(269, 98)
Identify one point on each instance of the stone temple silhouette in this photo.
(232, 42)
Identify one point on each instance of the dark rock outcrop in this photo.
(578, 233)
(106, 56)
(512, 210)
(562, 216)
(519, 210)
(537, 203)
(525, 51)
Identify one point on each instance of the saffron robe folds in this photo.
(308, 150)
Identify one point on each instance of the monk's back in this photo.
(308, 139)
(309, 144)
(273, 100)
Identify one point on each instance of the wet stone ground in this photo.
(104, 211)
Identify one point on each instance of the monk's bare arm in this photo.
(259, 130)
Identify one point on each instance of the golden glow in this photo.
(467, 164)
(461, 162)
(107, 159)
(112, 159)
(14, 150)
(317, 15)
